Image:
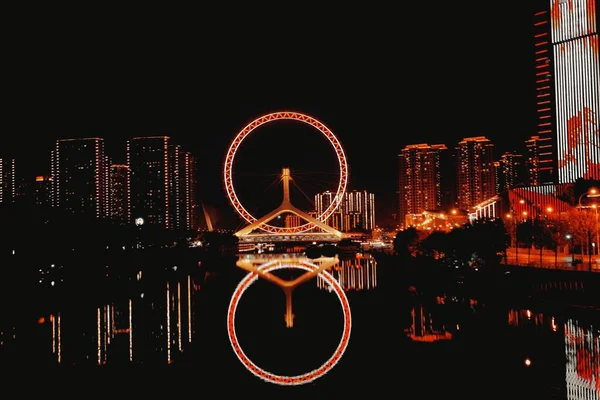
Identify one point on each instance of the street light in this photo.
(568, 236)
(591, 192)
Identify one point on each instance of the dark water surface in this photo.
(165, 334)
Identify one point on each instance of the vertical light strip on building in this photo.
(577, 79)
(1, 180)
(13, 186)
(129, 181)
(188, 197)
(167, 175)
(58, 341)
(99, 338)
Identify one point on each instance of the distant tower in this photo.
(80, 177)
(322, 203)
(188, 188)
(511, 171)
(120, 211)
(162, 183)
(150, 180)
(574, 29)
(419, 184)
(545, 163)
(532, 163)
(476, 176)
(358, 210)
(42, 191)
(8, 191)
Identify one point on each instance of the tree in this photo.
(406, 241)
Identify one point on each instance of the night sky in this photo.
(379, 79)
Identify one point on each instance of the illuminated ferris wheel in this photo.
(262, 223)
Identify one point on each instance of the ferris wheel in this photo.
(228, 171)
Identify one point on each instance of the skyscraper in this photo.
(322, 203)
(544, 97)
(162, 183)
(532, 163)
(419, 184)
(574, 35)
(8, 190)
(511, 171)
(150, 180)
(42, 191)
(120, 211)
(475, 171)
(188, 214)
(80, 177)
(356, 210)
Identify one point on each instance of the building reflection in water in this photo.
(425, 327)
(525, 317)
(56, 336)
(582, 351)
(355, 272)
(134, 330)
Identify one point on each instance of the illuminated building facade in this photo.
(8, 191)
(188, 206)
(42, 191)
(119, 194)
(162, 183)
(582, 353)
(80, 178)
(476, 177)
(545, 138)
(574, 37)
(419, 184)
(510, 171)
(356, 211)
(322, 202)
(150, 180)
(532, 146)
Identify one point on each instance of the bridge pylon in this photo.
(327, 233)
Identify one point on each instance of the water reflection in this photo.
(426, 327)
(526, 317)
(582, 351)
(133, 330)
(353, 272)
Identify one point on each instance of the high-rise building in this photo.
(80, 177)
(476, 177)
(8, 189)
(150, 180)
(510, 171)
(419, 184)
(322, 203)
(188, 203)
(574, 37)
(120, 211)
(162, 183)
(356, 210)
(544, 96)
(532, 163)
(42, 191)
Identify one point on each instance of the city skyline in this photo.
(202, 106)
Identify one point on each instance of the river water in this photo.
(167, 332)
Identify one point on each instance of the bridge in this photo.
(313, 231)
